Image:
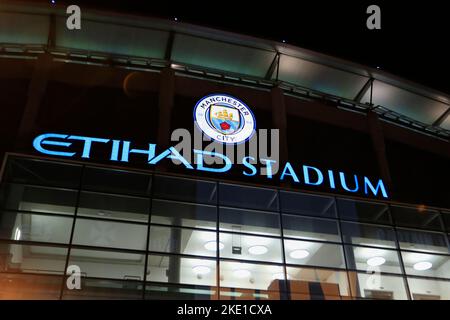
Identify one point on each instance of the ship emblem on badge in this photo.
(224, 118)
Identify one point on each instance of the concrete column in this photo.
(377, 136)
(36, 91)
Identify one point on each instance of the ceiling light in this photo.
(212, 245)
(241, 273)
(422, 266)
(299, 254)
(376, 261)
(201, 269)
(258, 250)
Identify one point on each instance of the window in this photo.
(109, 206)
(251, 221)
(245, 247)
(426, 265)
(251, 281)
(171, 188)
(33, 259)
(111, 264)
(309, 228)
(314, 254)
(363, 211)
(248, 197)
(377, 286)
(372, 260)
(38, 199)
(427, 289)
(44, 173)
(446, 218)
(306, 204)
(418, 217)
(431, 242)
(175, 269)
(369, 235)
(184, 241)
(35, 227)
(108, 234)
(183, 214)
(116, 181)
(317, 284)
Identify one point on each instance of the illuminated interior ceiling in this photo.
(191, 47)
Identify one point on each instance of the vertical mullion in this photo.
(148, 236)
(283, 252)
(69, 249)
(217, 242)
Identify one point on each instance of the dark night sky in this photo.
(413, 42)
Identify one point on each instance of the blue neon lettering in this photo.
(201, 167)
(246, 163)
(41, 140)
(344, 183)
(126, 151)
(115, 150)
(88, 144)
(307, 178)
(331, 178)
(380, 186)
(291, 172)
(268, 164)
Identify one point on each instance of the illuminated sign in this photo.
(224, 118)
(62, 145)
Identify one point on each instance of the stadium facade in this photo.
(358, 206)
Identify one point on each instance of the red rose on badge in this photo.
(224, 126)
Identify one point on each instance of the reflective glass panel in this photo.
(100, 233)
(417, 217)
(377, 286)
(309, 228)
(35, 227)
(317, 284)
(248, 197)
(363, 211)
(181, 270)
(184, 241)
(250, 221)
(427, 289)
(369, 235)
(172, 188)
(307, 204)
(110, 206)
(314, 254)
(108, 264)
(426, 265)
(431, 242)
(183, 214)
(38, 199)
(245, 247)
(372, 259)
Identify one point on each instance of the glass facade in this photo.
(155, 236)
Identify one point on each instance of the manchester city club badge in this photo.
(224, 118)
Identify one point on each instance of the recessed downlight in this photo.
(212, 245)
(258, 250)
(201, 270)
(242, 273)
(422, 266)
(376, 261)
(299, 254)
